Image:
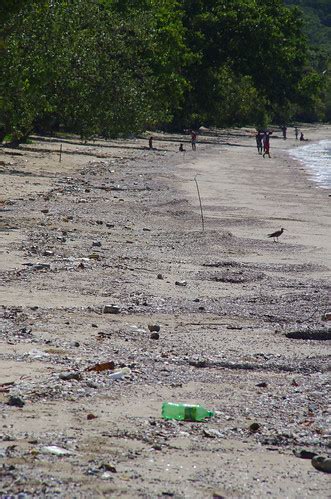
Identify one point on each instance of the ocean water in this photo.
(317, 158)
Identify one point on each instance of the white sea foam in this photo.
(317, 158)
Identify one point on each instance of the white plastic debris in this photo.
(55, 450)
(120, 374)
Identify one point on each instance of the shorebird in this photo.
(276, 234)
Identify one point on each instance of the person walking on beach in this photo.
(296, 131)
(258, 138)
(193, 140)
(150, 142)
(266, 144)
(284, 130)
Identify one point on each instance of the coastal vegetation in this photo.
(115, 67)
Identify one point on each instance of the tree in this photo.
(257, 41)
(96, 68)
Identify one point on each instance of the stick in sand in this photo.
(60, 154)
(201, 210)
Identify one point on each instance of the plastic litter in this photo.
(185, 412)
(120, 374)
(54, 449)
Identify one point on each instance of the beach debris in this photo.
(94, 256)
(106, 475)
(70, 375)
(198, 362)
(254, 427)
(304, 453)
(15, 401)
(55, 450)
(135, 329)
(91, 416)
(40, 266)
(48, 253)
(96, 244)
(109, 467)
(323, 334)
(326, 316)
(322, 463)
(120, 374)
(102, 366)
(103, 335)
(185, 412)
(25, 331)
(218, 495)
(212, 433)
(5, 387)
(181, 283)
(154, 327)
(263, 384)
(36, 354)
(111, 309)
(154, 336)
(45, 210)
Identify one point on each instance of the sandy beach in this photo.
(97, 249)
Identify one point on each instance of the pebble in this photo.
(304, 453)
(109, 467)
(326, 316)
(69, 376)
(254, 427)
(111, 309)
(154, 327)
(41, 266)
(155, 336)
(106, 475)
(322, 463)
(48, 253)
(15, 401)
(211, 433)
(181, 283)
(91, 416)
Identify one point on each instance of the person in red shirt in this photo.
(266, 144)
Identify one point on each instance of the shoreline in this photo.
(122, 226)
(311, 171)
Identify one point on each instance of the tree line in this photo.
(115, 67)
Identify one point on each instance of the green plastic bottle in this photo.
(185, 412)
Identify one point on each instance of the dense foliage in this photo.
(112, 67)
(317, 26)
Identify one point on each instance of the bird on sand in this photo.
(276, 234)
